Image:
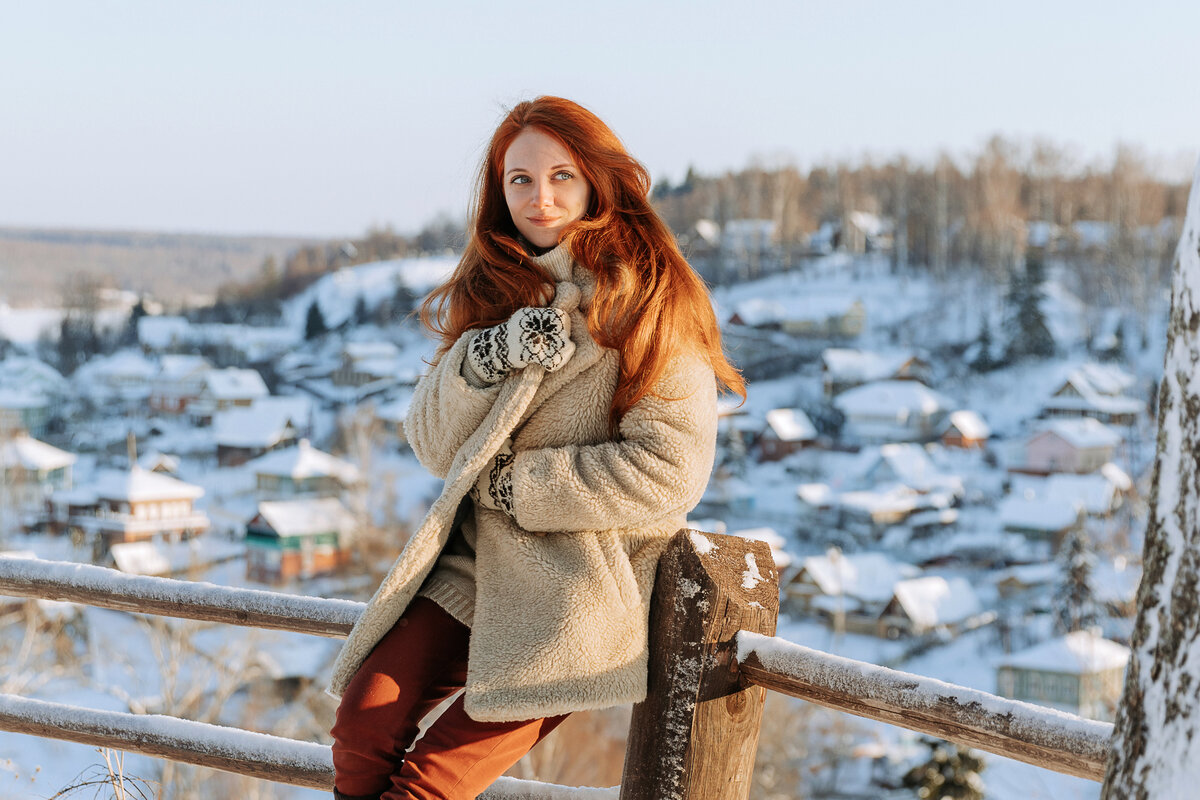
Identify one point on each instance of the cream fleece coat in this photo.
(562, 593)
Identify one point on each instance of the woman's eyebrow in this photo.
(566, 165)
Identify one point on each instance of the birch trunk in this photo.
(1156, 742)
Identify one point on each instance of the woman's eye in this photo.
(520, 179)
(563, 175)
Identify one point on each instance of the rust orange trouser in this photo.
(417, 665)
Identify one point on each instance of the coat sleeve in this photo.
(446, 410)
(657, 467)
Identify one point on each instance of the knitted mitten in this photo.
(493, 488)
(530, 336)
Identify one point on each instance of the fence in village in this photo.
(713, 657)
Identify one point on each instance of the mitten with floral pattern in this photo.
(494, 487)
(530, 336)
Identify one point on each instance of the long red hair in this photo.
(649, 302)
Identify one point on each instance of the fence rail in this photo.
(708, 674)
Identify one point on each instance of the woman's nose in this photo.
(544, 196)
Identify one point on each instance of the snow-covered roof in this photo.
(868, 576)
(359, 351)
(160, 332)
(970, 424)
(232, 383)
(862, 365)
(758, 311)
(933, 600)
(912, 466)
(31, 454)
(1077, 653)
(306, 517)
(262, 424)
(1082, 433)
(155, 461)
(1038, 513)
(1031, 574)
(888, 398)
(1094, 491)
(816, 494)
(140, 558)
(708, 230)
(172, 366)
(870, 224)
(791, 425)
(30, 373)
(1107, 379)
(772, 538)
(22, 398)
(140, 485)
(304, 461)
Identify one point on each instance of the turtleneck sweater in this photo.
(451, 584)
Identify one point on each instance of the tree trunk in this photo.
(1156, 743)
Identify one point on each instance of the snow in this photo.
(791, 425)
(894, 399)
(233, 383)
(303, 461)
(35, 572)
(751, 577)
(933, 600)
(516, 789)
(1077, 653)
(138, 485)
(862, 366)
(263, 424)
(866, 576)
(970, 424)
(702, 543)
(307, 516)
(28, 453)
(1049, 514)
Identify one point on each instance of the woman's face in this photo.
(544, 188)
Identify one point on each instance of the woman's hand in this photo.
(530, 336)
(493, 488)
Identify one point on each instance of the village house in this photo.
(1069, 445)
(122, 379)
(787, 431)
(225, 389)
(1041, 519)
(966, 430)
(1096, 391)
(808, 316)
(843, 590)
(179, 383)
(844, 368)
(864, 232)
(163, 334)
(273, 423)
(893, 411)
(920, 606)
(1081, 673)
(1100, 493)
(24, 410)
(908, 465)
(31, 378)
(367, 362)
(289, 539)
(301, 471)
(30, 471)
(129, 506)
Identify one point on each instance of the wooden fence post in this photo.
(695, 735)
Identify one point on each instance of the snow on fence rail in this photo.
(1037, 735)
(693, 738)
(257, 755)
(107, 588)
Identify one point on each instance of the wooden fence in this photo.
(713, 656)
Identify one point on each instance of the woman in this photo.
(572, 414)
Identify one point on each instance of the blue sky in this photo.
(323, 118)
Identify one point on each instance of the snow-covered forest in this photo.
(947, 444)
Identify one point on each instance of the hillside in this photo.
(34, 263)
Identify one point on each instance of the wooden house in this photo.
(24, 410)
(290, 539)
(130, 506)
(854, 587)
(178, 384)
(1069, 445)
(30, 471)
(274, 423)
(919, 606)
(1096, 391)
(966, 430)
(893, 411)
(1081, 673)
(301, 471)
(367, 362)
(787, 431)
(226, 389)
(845, 368)
(1041, 519)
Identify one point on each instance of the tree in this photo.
(1156, 746)
(1074, 601)
(950, 772)
(983, 360)
(361, 315)
(314, 322)
(1027, 333)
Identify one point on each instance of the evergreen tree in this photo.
(1025, 328)
(983, 361)
(314, 323)
(361, 315)
(130, 335)
(950, 772)
(1074, 601)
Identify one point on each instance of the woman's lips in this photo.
(542, 220)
